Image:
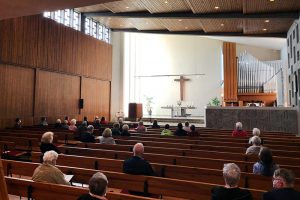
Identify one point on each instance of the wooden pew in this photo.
(154, 185)
(23, 143)
(47, 191)
(190, 153)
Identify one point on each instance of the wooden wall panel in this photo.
(40, 42)
(17, 91)
(230, 72)
(96, 95)
(57, 95)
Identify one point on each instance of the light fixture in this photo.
(265, 29)
(217, 7)
(180, 20)
(267, 21)
(186, 27)
(222, 24)
(272, 0)
(166, 2)
(127, 7)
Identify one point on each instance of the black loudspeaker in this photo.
(80, 103)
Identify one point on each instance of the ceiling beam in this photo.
(276, 35)
(190, 15)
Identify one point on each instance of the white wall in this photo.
(117, 74)
(151, 54)
(262, 54)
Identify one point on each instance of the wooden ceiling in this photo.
(202, 17)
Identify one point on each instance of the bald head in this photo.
(138, 149)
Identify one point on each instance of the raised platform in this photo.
(197, 121)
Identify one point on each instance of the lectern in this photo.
(135, 111)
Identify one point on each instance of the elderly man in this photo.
(97, 187)
(47, 172)
(231, 174)
(255, 148)
(137, 164)
(87, 136)
(283, 186)
(238, 131)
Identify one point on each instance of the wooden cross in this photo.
(181, 81)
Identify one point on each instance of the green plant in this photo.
(214, 102)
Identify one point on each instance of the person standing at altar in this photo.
(179, 131)
(239, 132)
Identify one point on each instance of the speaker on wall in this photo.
(80, 103)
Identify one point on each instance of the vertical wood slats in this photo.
(230, 72)
(42, 78)
(39, 42)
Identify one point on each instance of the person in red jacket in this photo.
(239, 132)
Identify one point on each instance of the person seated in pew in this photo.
(179, 131)
(18, 123)
(87, 136)
(121, 123)
(283, 186)
(155, 124)
(85, 119)
(73, 126)
(58, 124)
(255, 148)
(265, 166)
(193, 132)
(65, 125)
(97, 188)
(97, 124)
(141, 128)
(106, 137)
(68, 120)
(116, 129)
(82, 127)
(43, 122)
(231, 191)
(255, 132)
(47, 143)
(167, 131)
(187, 127)
(47, 172)
(103, 121)
(125, 130)
(238, 131)
(136, 164)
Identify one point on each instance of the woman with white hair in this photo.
(125, 130)
(47, 172)
(97, 188)
(73, 126)
(231, 174)
(238, 131)
(255, 132)
(47, 143)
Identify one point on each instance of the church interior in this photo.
(221, 69)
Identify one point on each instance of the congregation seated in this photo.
(106, 137)
(87, 136)
(43, 122)
(73, 126)
(155, 124)
(238, 131)
(167, 131)
(179, 131)
(141, 127)
(231, 174)
(187, 127)
(97, 188)
(265, 166)
(82, 128)
(193, 132)
(47, 172)
(125, 130)
(136, 164)
(283, 186)
(58, 124)
(116, 129)
(103, 121)
(256, 146)
(255, 132)
(47, 143)
(18, 123)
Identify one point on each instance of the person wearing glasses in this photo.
(283, 186)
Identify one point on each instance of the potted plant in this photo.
(149, 103)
